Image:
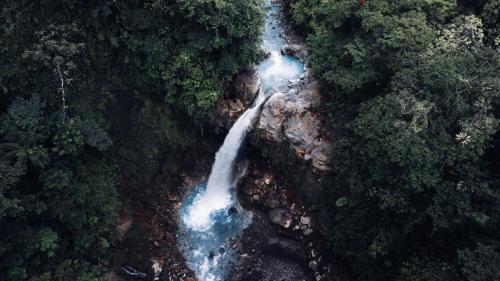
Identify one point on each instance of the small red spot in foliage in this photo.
(362, 3)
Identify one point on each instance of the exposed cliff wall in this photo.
(290, 131)
(290, 135)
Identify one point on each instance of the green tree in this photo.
(413, 87)
(148, 73)
(57, 202)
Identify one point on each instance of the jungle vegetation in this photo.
(412, 89)
(413, 96)
(82, 84)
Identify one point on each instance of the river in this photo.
(211, 216)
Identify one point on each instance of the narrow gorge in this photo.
(249, 140)
(283, 112)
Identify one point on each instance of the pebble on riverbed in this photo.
(285, 210)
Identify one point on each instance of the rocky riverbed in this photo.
(289, 158)
(146, 248)
(283, 242)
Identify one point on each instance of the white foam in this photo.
(205, 268)
(278, 70)
(198, 217)
(217, 196)
(275, 73)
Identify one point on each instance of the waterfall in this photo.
(274, 74)
(211, 216)
(217, 195)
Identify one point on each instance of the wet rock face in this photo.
(229, 108)
(294, 118)
(227, 112)
(283, 241)
(265, 255)
(247, 86)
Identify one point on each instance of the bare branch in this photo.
(63, 93)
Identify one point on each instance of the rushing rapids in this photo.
(211, 215)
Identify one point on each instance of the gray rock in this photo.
(229, 108)
(313, 265)
(320, 155)
(305, 220)
(294, 50)
(227, 112)
(272, 117)
(293, 118)
(281, 216)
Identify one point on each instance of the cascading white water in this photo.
(217, 195)
(274, 73)
(207, 222)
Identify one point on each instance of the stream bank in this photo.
(288, 156)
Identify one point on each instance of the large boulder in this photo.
(230, 107)
(294, 119)
(294, 50)
(227, 112)
(281, 216)
(246, 86)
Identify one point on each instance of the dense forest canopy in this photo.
(413, 90)
(94, 90)
(81, 82)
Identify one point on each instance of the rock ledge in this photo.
(294, 118)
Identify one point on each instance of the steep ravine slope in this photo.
(290, 131)
(288, 163)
